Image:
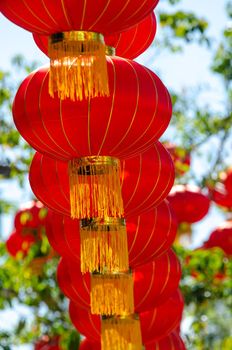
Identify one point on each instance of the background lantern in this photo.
(76, 44)
(153, 283)
(156, 227)
(155, 324)
(221, 237)
(188, 203)
(18, 243)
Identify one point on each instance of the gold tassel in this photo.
(95, 189)
(121, 333)
(112, 294)
(104, 246)
(78, 67)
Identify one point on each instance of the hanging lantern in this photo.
(154, 324)
(18, 244)
(153, 284)
(30, 216)
(221, 197)
(47, 343)
(139, 38)
(221, 237)
(87, 344)
(172, 341)
(76, 43)
(156, 227)
(227, 180)
(188, 203)
(145, 181)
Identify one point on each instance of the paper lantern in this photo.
(156, 227)
(19, 244)
(76, 43)
(128, 44)
(87, 344)
(172, 341)
(155, 324)
(146, 180)
(153, 284)
(30, 216)
(188, 203)
(47, 343)
(221, 237)
(227, 180)
(221, 197)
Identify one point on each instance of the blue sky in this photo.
(182, 71)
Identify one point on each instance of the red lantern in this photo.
(139, 38)
(153, 282)
(155, 324)
(221, 237)
(18, 243)
(221, 195)
(228, 180)
(76, 44)
(47, 343)
(31, 216)
(126, 123)
(87, 344)
(188, 203)
(156, 227)
(146, 180)
(105, 17)
(171, 342)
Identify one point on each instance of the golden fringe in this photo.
(78, 67)
(121, 333)
(95, 189)
(104, 246)
(112, 294)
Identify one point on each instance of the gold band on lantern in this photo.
(95, 189)
(109, 224)
(78, 68)
(76, 36)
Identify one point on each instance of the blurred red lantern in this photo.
(153, 282)
(171, 342)
(221, 237)
(221, 197)
(227, 180)
(146, 180)
(180, 157)
(155, 324)
(47, 343)
(128, 44)
(76, 38)
(87, 344)
(188, 203)
(18, 243)
(31, 216)
(156, 227)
